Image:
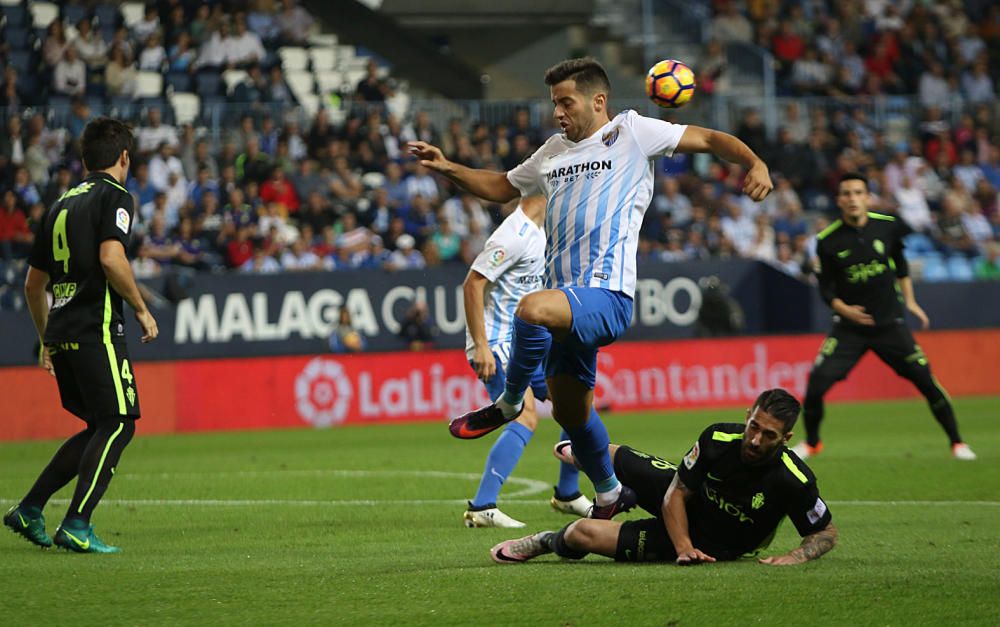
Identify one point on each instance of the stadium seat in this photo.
(323, 59)
(208, 83)
(20, 60)
(301, 83)
(73, 13)
(353, 77)
(323, 39)
(132, 13)
(186, 107)
(959, 268)
(179, 81)
(148, 85)
(293, 59)
(934, 269)
(232, 78)
(328, 81)
(310, 104)
(107, 16)
(17, 38)
(16, 15)
(43, 14)
(211, 108)
(918, 244)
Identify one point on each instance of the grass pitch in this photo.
(362, 525)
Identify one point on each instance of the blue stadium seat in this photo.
(16, 15)
(208, 83)
(73, 13)
(180, 81)
(107, 15)
(960, 269)
(935, 269)
(918, 243)
(20, 60)
(17, 38)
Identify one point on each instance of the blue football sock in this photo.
(501, 461)
(527, 351)
(590, 447)
(569, 476)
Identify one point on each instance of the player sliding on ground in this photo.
(597, 178)
(80, 249)
(509, 267)
(724, 501)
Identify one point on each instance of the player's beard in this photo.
(758, 456)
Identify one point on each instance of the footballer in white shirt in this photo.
(597, 178)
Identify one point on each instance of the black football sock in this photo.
(556, 542)
(62, 469)
(98, 466)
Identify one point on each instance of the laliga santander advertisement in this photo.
(328, 390)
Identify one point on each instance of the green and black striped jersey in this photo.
(85, 308)
(736, 507)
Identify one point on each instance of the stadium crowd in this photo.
(271, 195)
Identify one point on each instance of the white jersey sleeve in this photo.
(526, 177)
(502, 251)
(656, 138)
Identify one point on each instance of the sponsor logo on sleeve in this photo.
(692, 457)
(122, 220)
(497, 257)
(816, 513)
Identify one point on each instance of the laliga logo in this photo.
(323, 393)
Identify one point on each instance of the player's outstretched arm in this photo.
(757, 184)
(492, 186)
(119, 273)
(38, 306)
(813, 546)
(675, 519)
(472, 290)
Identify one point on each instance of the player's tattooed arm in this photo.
(813, 546)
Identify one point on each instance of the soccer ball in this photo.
(670, 84)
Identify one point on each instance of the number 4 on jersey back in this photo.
(60, 245)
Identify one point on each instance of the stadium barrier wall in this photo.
(327, 390)
(237, 315)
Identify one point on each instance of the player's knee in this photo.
(534, 309)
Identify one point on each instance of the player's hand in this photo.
(858, 315)
(148, 324)
(917, 310)
(757, 183)
(781, 560)
(430, 156)
(692, 557)
(45, 361)
(484, 363)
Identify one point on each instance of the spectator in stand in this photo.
(153, 57)
(934, 90)
(216, 52)
(344, 184)
(278, 189)
(294, 23)
(298, 257)
(27, 192)
(447, 242)
(58, 185)
(182, 55)
(239, 250)
(277, 90)
(159, 246)
(15, 236)
(951, 228)
(977, 86)
(406, 256)
(252, 164)
(261, 20)
(988, 266)
(90, 46)
(245, 47)
(260, 263)
(913, 207)
(120, 73)
(162, 165)
(55, 44)
(371, 88)
(730, 25)
(422, 183)
(149, 24)
(69, 77)
(152, 135)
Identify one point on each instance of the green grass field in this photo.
(363, 526)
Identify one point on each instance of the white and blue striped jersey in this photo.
(598, 190)
(513, 261)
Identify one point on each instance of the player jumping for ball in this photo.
(597, 177)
